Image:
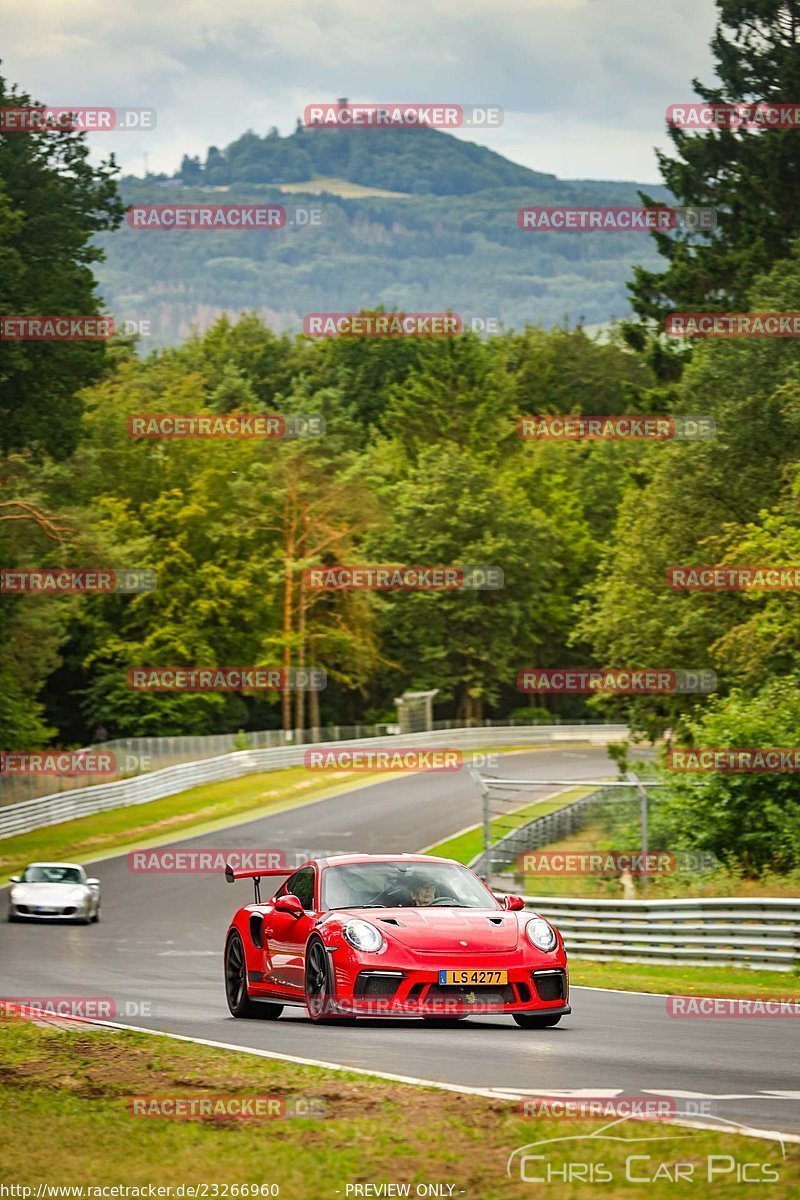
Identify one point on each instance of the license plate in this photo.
(472, 978)
(45, 910)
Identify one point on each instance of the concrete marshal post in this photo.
(415, 711)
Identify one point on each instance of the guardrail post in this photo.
(487, 825)
(642, 790)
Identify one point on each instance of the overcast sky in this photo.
(584, 83)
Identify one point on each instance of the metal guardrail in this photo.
(141, 755)
(760, 934)
(83, 802)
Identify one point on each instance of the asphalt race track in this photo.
(160, 940)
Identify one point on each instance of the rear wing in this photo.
(256, 874)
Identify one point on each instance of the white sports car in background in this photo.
(54, 892)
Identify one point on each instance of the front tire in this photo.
(319, 987)
(535, 1021)
(239, 1001)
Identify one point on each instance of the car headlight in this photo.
(363, 936)
(541, 935)
(78, 894)
(15, 894)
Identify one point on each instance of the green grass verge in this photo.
(198, 810)
(465, 846)
(684, 981)
(65, 1101)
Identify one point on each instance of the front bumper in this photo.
(382, 992)
(29, 912)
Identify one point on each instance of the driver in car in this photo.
(422, 892)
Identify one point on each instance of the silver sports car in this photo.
(48, 891)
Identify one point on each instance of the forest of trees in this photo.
(438, 230)
(421, 463)
(423, 253)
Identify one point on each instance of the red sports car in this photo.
(392, 936)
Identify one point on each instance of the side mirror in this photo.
(513, 903)
(288, 904)
(93, 882)
(15, 879)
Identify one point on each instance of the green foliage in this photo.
(422, 253)
(53, 202)
(730, 499)
(750, 178)
(398, 160)
(420, 464)
(531, 716)
(750, 818)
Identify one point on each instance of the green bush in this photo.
(532, 716)
(750, 820)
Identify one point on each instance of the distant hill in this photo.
(417, 161)
(444, 238)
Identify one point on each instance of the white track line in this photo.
(585, 987)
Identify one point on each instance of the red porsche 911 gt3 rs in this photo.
(392, 936)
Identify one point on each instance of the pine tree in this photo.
(752, 178)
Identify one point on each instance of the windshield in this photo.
(403, 885)
(54, 874)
